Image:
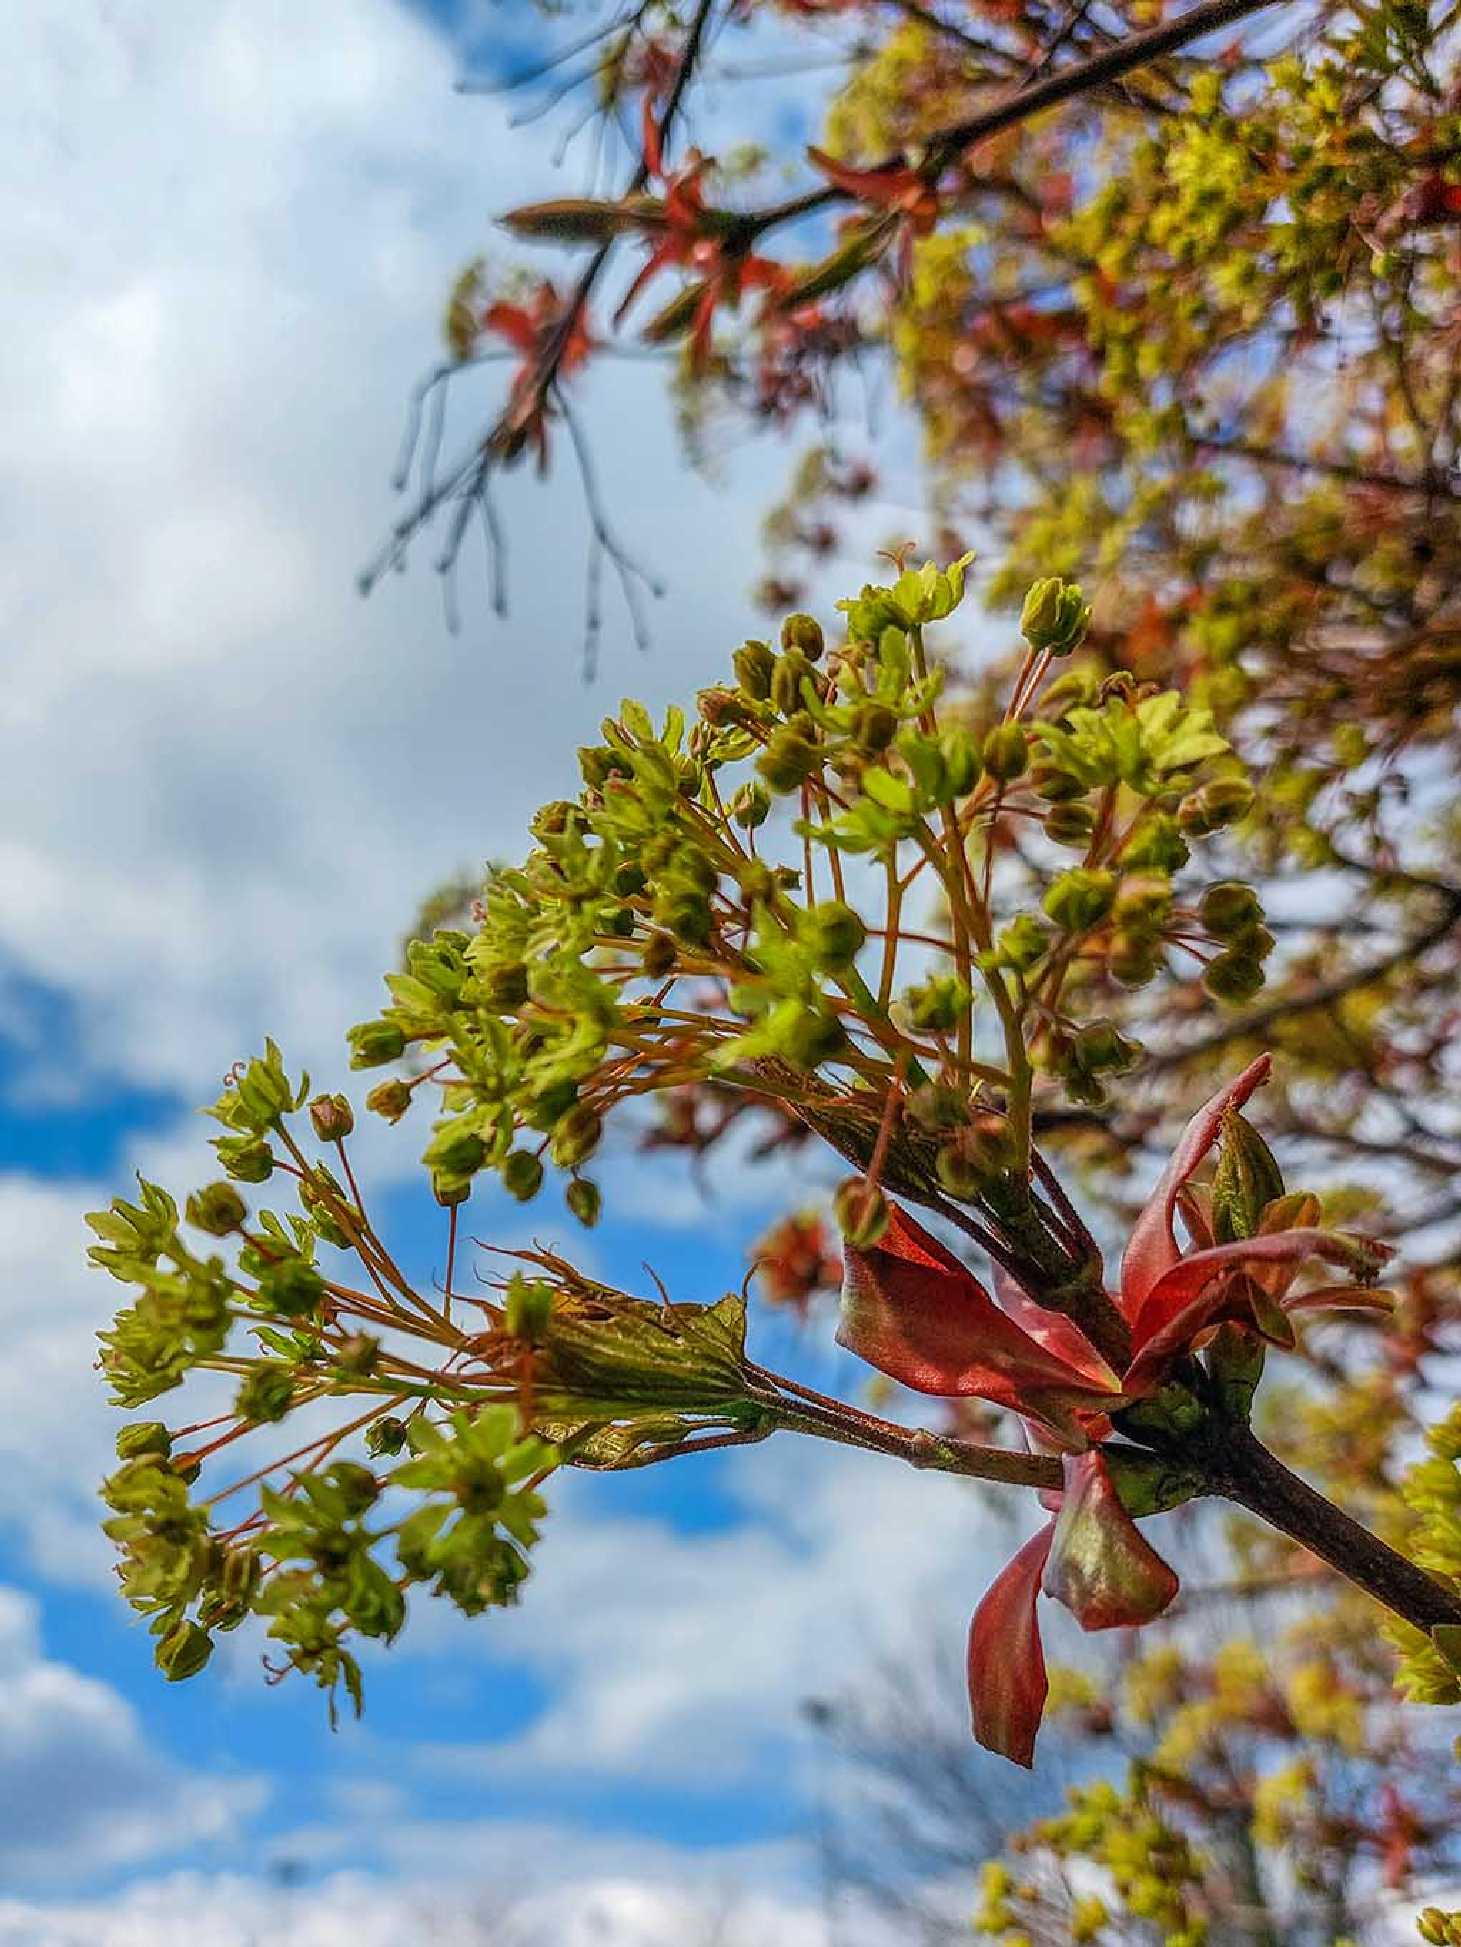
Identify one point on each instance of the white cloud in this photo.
(83, 1790)
(227, 780)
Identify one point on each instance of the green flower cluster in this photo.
(1430, 1666)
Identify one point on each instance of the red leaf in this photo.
(1100, 1564)
(1201, 1289)
(912, 1310)
(1152, 1248)
(1007, 1682)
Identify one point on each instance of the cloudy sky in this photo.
(226, 781)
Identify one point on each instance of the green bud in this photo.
(938, 1004)
(143, 1437)
(357, 1484)
(862, 1212)
(1221, 802)
(754, 664)
(528, 1308)
(1022, 943)
(788, 760)
(1070, 824)
(989, 1144)
(960, 756)
(1080, 898)
(183, 1651)
(791, 671)
(585, 1200)
(291, 1288)
(687, 914)
(358, 1355)
(1101, 1048)
(218, 1209)
(332, 1116)
(937, 1107)
(751, 805)
(720, 706)
(374, 1042)
(266, 1395)
(659, 956)
(814, 1037)
(1247, 1179)
(1228, 907)
(804, 632)
(1055, 616)
(1156, 845)
(874, 726)
(576, 1136)
(957, 1174)
(247, 1159)
(522, 1175)
(1006, 752)
(1134, 957)
(450, 1191)
(455, 1150)
(1235, 1360)
(385, 1436)
(1233, 977)
(833, 933)
(504, 987)
(1054, 785)
(239, 1574)
(389, 1099)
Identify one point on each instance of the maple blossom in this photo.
(911, 1309)
(532, 328)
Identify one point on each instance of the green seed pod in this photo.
(183, 1651)
(1080, 898)
(1006, 752)
(375, 1042)
(219, 1209)
(862, 1212)
(450, 1191)
(247, 1159)
(754, 663)
(804, 633)
(585, 1200)
(1228, 907)
(1070, 824)
(1233, 977)
(576, 1137)
(143, 1437)
(522, 1175)
(332, 1117)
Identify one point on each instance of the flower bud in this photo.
(239, 1574)
(374, 1042)
(1055, 616)
(358, 1354)
(585, 1201)
(1134, 957)
(1229, 906)
(791, 671)
(788, 760)
(659, 956)
(528, 1308)
(834, 934)
(291, 1288)
(248, 1159)
(385, 1436)
(1080, 898)
(576, 1136)
(960, 761)
(1220, 802)
(522, 1175)
(937, 1005)
(266, 1395)
(957, 1174)
(862, 1212)
(219, 1209)
(751, 805)
(874, 726)
(455, 1151)
(754, 664)
(1070, 824)
(503, 987)
(1233, 977)
(448, 1190)
(183, 1651)
(1022, 943)
(721, 705)
(1054, 785)
(804, 632)
(937, 1107)
(1006, 752)
(389, 1099)
(332, 1116)
(812, 1038)
(143, 1437)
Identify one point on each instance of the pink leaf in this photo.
(1152, 1248)
(1007, 1682)
(1100, 1564)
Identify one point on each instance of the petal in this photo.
(1007, 1682)
(1100, 1565)
(1201, 1289)
(912, 1310)
(1152, 1248)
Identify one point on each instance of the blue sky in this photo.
(226, 782)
